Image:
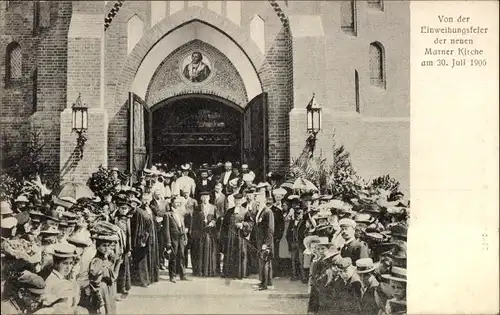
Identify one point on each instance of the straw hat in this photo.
(64, 250)
(364, 265)
(397, 274)
(5, 208)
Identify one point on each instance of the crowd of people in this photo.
(69, 255)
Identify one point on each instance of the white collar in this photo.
(58, 274)
(349, 241)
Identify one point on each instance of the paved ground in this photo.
(216, 296)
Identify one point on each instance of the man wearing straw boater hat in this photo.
(397, 278)
(365, 269)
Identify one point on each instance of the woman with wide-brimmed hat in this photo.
(62, 294)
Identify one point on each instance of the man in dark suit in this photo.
(219, 201)
(279, 228)
(353, 248)
(174, 233)
(203, 183)
(264, 236)
(227, 175)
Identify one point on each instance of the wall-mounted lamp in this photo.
(313, 121)
(80, 122)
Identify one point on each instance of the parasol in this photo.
(299, 184)
(74, 190)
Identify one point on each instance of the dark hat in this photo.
(363, 218)
(50, 230)
(36, 216)
(307, 196)
(32, 282)
(250, 190)
(205, 193)
(399, 231)
(22, 218)
(238, 196)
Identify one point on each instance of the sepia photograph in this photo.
(205, 157)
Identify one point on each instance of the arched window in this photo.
(135, 29)
(377, 60)
(13, 63)
(348, 16)
(257, 32)
(356, 89)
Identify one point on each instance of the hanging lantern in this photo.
(80, 115)
(313, 116)
(80, 122)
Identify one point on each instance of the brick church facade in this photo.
(353, 55)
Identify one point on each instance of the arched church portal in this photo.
(196, 128)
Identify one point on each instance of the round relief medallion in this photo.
(196, 67)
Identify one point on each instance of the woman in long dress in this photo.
(236, 226)
(101, 277)
(208, 244)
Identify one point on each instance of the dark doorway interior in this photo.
(198, 130)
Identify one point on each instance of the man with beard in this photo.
(353, 248)
(26, 296)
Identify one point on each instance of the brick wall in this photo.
(276, 75)
(46, 51)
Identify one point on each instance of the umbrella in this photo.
(74, 190)
(299, 183)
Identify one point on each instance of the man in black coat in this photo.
(175, 238)
(353, 248)
(279, 229)
(264, 236)
(203, 183)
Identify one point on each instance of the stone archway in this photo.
(206, 19)
(273, 72)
